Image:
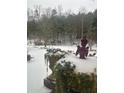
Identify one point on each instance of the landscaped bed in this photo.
(70, 74)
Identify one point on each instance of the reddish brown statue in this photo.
(83, 51)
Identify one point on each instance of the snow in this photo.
(84, 66)
(65, 48)
(72, 48)
(36, 68)
(36, 71)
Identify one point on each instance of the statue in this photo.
(83, 50)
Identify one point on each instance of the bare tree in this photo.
(60, 9)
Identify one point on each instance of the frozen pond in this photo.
(36, 71)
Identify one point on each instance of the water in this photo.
(36, 71)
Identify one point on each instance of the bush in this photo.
(67, 81)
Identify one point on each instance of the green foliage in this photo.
(62, 75)
(57, 27)
(52, 56)
(67, 81)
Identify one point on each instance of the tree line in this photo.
(54, 25)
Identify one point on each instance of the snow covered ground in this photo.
(36, 68)
(36, 71)
(85, 66)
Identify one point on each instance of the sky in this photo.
(73, 5)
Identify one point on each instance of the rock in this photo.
(91, 55)
(49, 83)
(28, 57)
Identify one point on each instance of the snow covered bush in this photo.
(71, 74)
(52, 56)
(68, 81)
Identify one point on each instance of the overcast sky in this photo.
(74, 5)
